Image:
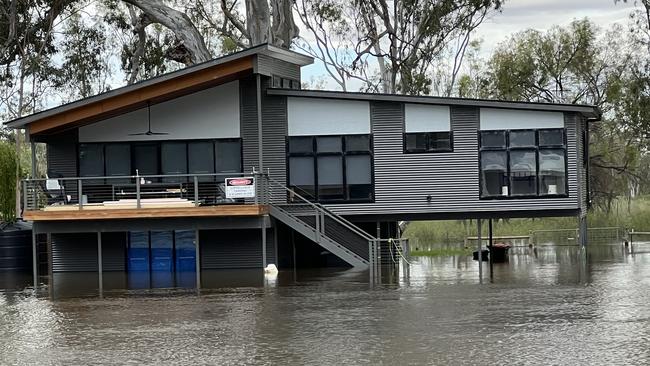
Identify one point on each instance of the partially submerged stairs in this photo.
(330, 231)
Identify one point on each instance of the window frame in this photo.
(314, 154)
(428, 137)
(158, 144)
(536, 150)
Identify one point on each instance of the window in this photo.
(286, 83)
(423, 142)
(118, 161)
(160, 158)
(91, 160)
(331, 168)
(523, 163)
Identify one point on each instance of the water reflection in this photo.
(558, 305)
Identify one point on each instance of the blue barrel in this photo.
(16, 248)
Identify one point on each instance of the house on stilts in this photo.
(230, 164)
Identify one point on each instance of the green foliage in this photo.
(8, 172)
(450, 235)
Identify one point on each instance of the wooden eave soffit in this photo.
(132, 100)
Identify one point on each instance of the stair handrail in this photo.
(322, 209)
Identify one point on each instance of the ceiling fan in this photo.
(149, 132)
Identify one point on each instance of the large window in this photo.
(523, 163)
(331, 168)
(160, 158)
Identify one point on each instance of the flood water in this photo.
(558, 305)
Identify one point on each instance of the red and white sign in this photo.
(240, 187)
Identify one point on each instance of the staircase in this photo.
(325, 228)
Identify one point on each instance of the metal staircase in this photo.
(325, 228)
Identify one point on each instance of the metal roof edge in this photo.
(589, 111)
(287, 55)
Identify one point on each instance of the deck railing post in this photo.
(80, 194)
(25, 202)
(316, 218)
(137, 191)
(196, 191)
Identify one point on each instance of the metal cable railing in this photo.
(135, 191)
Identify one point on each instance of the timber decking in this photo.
(133, 213)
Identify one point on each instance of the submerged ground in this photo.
(553, 306)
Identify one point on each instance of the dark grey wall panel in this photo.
(403, 181)
(248, 125)
(221, 249)
(74, 252)
(114, 251)
(268, 66)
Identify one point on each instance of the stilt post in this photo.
(480, 252)
(263, 226)
(197, 254)
(490, 248)
(34, 260)
(100, 264)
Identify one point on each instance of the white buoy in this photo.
(271, 269)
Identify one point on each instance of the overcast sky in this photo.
(518, 15)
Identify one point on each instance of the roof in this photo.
(589, 111)
(266, 49)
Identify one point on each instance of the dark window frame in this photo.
(429, 137)
(158, 144)
(536, 149)
(314, 154)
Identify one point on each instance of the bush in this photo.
(8, 171)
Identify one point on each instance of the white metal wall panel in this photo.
(426, 118)
(210, 113)
(513, 119)
(315, 116)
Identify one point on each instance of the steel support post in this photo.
(34, 260)
(263, 226)
(197, 254)
(100, 263)
(480, 252)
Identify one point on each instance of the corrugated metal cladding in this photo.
(267, 65)
(78, 252)
(403, 181)
(221, 249)
(248, 115)
(74, 252)
(583, 187)
(274, 132)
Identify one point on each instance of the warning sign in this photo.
(241, 187)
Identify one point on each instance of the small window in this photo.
(277, 81)
(295, 84)
(359, 176)
(327, 144)
(286, 83)
(419, 142)
(493, 139)
(416, 142)
(554, 137)
(301, 145)
(357, 143)
(439, 141)
(522, 138)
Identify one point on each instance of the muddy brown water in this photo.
(557, 305)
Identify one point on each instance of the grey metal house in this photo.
(229, 164)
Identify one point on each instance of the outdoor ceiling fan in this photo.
(149, 132)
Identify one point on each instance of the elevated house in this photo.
(136, 177)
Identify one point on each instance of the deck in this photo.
(158, 212)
